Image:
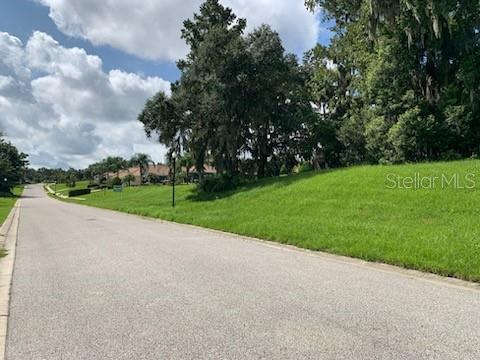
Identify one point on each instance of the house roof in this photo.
(159, 170)
(135, 171)
(207, 169)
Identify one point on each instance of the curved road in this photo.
(95, 284)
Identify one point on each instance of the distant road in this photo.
(95, 284)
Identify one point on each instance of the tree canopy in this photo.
(398, 82)
(12, 165)
(238, 97)
(406, 76)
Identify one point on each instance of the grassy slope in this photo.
(7, 202)
(348, 211)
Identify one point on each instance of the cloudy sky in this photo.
(74, 74)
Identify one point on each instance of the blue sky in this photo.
(74, 74)
(21, 17)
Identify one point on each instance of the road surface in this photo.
(95, 284)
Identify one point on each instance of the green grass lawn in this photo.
(7, 202)
(349, 211)
(63, 188)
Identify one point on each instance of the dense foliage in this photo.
(45, 175)
(98, 172)
(78, 192)
(400, 80)
(241, 102)
(12, 165)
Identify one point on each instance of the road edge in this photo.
(429, 277)
(425, 276)
(8, 239)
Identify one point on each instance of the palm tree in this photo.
(142, 161)
(128, 179)
(115, 164)
(97, 170)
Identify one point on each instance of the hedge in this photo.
(78, 192)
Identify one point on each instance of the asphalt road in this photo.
(94, 284)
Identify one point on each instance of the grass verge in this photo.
(353, 212)
(7, 201)
(63, 188)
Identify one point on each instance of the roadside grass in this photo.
(7, 201)
(64, 188)
(349, 211)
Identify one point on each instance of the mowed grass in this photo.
(7, 202)
(63, 188)
(349, 211)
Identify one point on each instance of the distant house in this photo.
(135, 171)
(207, 170)
(160, 172)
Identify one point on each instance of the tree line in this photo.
(103, 172)
(12, 165)
(241, 103)
(95, 171)
(398, 82)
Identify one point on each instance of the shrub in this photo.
(154, 179)
(128, 179)
(181, 178)
(78, 192)
(113, 182)
(351, 135)
(450, 155)
(248, 167)
(304, 167)
(217, 183)
(283, 170)
(92, 186)
(416, 137)
(376, 140)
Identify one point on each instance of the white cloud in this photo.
(297, 27)
(5, 82)
(73, 113)
(12, 56)
(151, 28)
